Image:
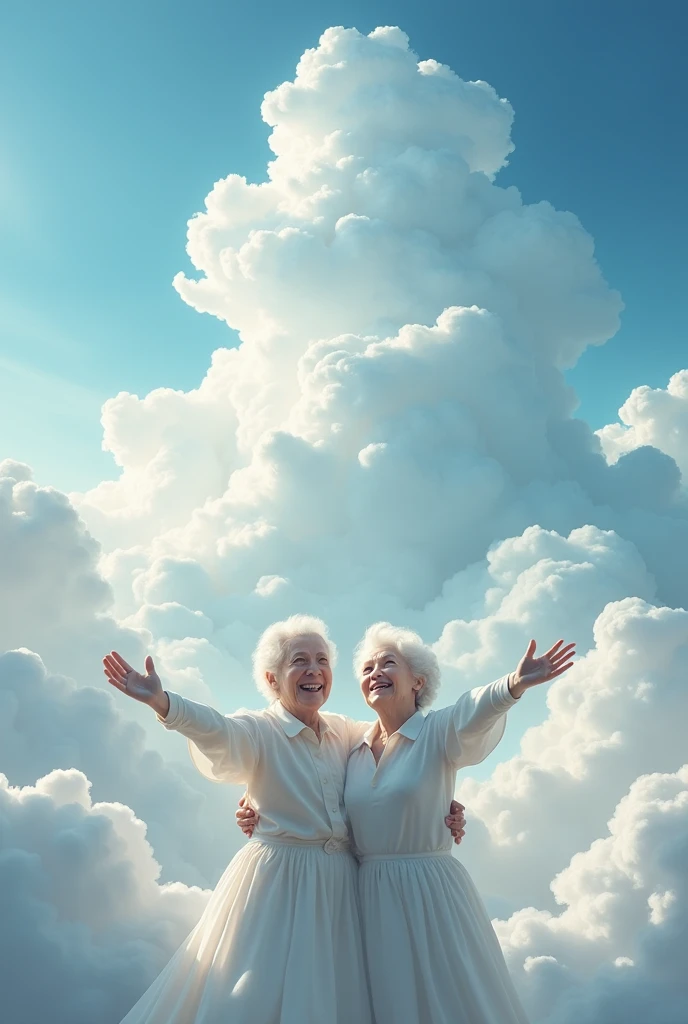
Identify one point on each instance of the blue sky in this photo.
(420, 485)
(118, 118)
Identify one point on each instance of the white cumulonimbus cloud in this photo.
(393, 438)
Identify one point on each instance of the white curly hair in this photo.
(420, 658)
(269, 653)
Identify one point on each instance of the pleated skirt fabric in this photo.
(433, 956)
(279, 942)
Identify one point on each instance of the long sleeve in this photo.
(475, 724)
(224, 748)
(356, 730)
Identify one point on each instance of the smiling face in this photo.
(304, 680)
(388, 682)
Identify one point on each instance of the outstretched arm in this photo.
(475, 724)
(224, 748)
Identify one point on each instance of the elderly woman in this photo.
(279, 941)
(433, 957)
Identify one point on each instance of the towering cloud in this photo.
(393, 438)
(405, 322)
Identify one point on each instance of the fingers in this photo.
(246, 817)
(113, 669)
(455, 822)
(458, 836)
(531, 649)
(540, 676)
(557, 652)
(553, 649)
(126, 667)
(115, 683)
(561, 661)
(114, 675)
(113, 666)
(150, 667)
(559, 671)
(562, 655)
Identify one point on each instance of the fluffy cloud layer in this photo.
(53, 599)
(393, 438)
(81, 904)
(619, 713)
(617, 950)
(47, 722)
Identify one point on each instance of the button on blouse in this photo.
(294, 781)
(397, 807)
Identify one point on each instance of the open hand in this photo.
(531, 670)
(148, 689)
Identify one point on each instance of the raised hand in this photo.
(148, 689)
(531, 670)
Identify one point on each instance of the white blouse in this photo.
(397, 807)
(295, 782)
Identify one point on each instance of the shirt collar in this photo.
(410, 729)
(290, 723)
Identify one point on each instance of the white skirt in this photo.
(433, 955)
(278, 943)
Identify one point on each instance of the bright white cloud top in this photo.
(393, 438)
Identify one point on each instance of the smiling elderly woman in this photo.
(433, 956)
(279, 941)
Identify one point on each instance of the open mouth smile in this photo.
(376, 687)
(311, 687)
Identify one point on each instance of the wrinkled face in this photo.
(304, 680)
(386, 678)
